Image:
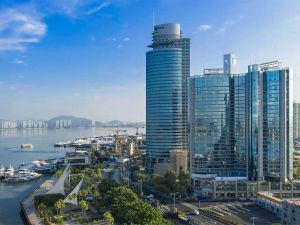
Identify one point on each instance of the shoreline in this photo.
(27, 204)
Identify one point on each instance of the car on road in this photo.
(195, 212)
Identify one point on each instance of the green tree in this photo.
(140, 176)
(83, 205)
(82, 193)
(170, 178)
(59, 205)
(41, 209)
(118, 201)
(73, 196)
(128, 208)
(183, 176)
(59, 220)
(106, 185)
(59, 172)
(109, 219)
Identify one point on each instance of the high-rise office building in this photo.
(296, 119)
(218, 120)
(167, 75)
(230, 63)
(270, 121)
(242, 124)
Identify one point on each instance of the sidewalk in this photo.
(27, 204)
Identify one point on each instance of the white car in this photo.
(195, 212)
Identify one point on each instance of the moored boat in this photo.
(9, 171)
(27, 146)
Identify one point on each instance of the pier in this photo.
(27, 205)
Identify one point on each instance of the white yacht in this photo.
(30, 146)
(9, 171)
(23, 175)
(16, 178)
(2, 170)
(28, 173)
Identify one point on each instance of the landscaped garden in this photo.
(98, 200)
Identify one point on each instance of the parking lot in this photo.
(244, 212)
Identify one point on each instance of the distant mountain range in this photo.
(66, 121)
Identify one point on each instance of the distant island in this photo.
(65, 122)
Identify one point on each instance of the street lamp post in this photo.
(252, 219)
(142, 194)
(174, 203)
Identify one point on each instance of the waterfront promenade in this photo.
(27, 205)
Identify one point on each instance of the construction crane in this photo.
(137, 130)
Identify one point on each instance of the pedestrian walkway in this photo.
(30, 212)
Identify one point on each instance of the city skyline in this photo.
(36, 39)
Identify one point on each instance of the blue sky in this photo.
(87, 57)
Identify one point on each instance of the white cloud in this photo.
(119, 46)
(20, 76)
(111, 39)
(19, 27)
(18, 61)
(221, 30)
(99, 7)
(229, 22)
(126, 39)
(204, 27)
(75, 8)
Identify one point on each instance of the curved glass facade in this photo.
(164, 115)
(218, 125)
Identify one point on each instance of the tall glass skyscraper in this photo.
(167, 75)
(218, 120)
(242, 124)
(270, 124)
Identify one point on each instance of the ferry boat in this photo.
(27, 146)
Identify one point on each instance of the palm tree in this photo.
(59, 205)
(83, 205)
(41, 208)
(72, 196)
(109, 219)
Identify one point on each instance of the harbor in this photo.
(43, 141)
(29, 171)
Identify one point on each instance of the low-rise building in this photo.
(291, 212)
(178, 161)
(282, 205)
(77, 158)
